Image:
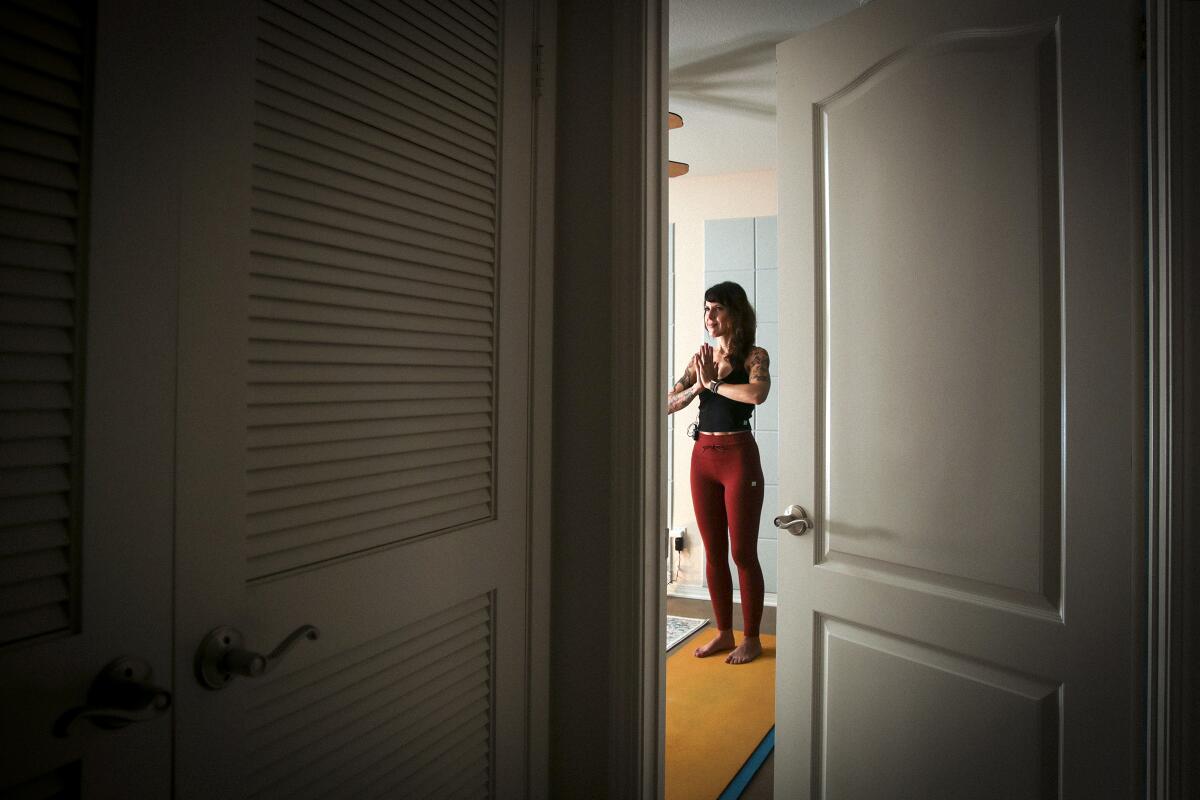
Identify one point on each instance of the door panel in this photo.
(958, 210)
(940, 318)
(355, 371)
(88, 391)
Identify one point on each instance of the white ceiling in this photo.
(722, 77)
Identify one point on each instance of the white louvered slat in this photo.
(291, 719)
(307, 477)
(39, 59)
(370, 91)
(414, 138)
(342, 212)
(15, 425)
(307, 523)
(35, 340)
(32, 566)
(269, 555)
(350, 296)
(290, 124)
(288, 724)
(397, 24)
(31, 538)
(363, 486)
(31, 24)
(64, 12)
(55, 202)
(348, 667)
(266, 248)
(37, 171)
(37, 116)
(37, 86)
(281, 155)
(30, 622)
(288, 331)
(367, 53)
(261, 394)
(341, 316)
(481, 21)
(369, 200)
(34, 142)
(266, 459)
(35, 283)
(409, 711)
(460, 35)
(316, 413)
(42, 92)
(358, 495)
(37, 227)
(34, 481)
(326, 231)
(33, 395)
(468, 16)
(32, 255)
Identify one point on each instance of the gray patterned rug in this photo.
(679, 628)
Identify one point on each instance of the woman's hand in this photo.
(705, 366)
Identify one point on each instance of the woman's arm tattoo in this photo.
(686, 389)
(759, 365)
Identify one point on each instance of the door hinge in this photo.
(538, 57)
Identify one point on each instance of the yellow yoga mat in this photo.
(717, 713)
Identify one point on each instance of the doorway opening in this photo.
(722, 226)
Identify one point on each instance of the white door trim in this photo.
(1172, 595)
(541, 389)
(637, 501)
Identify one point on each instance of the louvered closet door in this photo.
(86, 392)
(354, 396)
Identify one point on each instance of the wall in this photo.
(691, 202)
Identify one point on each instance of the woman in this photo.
(727, 479)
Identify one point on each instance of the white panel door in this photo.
(354, 371)
(960, 248)
(87, 325)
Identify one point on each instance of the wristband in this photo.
(712, 387)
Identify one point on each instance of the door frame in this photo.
(637, 499)
(1173, 593)
(636, 732)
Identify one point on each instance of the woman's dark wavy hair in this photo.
(741, 314)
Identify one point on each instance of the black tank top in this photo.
(720, 414)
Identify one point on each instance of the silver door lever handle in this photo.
(794, 520)
(222, 655)
(123, 693)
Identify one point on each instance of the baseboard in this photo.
(701, 593)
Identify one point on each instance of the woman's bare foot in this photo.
(722, 642)
(747, 651)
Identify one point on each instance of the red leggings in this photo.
(727, 493)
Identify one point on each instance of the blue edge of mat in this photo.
(738, 785)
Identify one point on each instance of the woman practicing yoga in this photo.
(727, 478)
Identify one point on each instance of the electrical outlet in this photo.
(678, 540)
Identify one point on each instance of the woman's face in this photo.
(716, 319)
